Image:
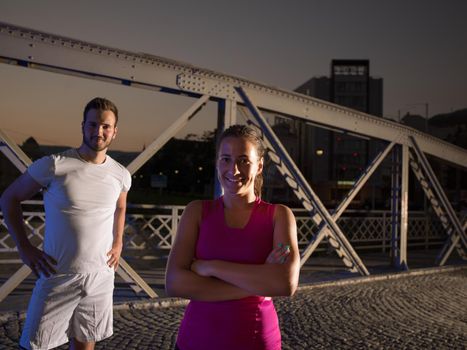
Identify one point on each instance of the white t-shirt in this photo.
(80, 201)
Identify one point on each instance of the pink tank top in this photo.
(250, 323)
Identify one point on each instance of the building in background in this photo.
(332, 160)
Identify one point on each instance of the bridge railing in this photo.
(372, 229)
(150, 229)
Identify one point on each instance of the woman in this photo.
(232, 254)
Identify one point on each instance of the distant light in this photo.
(200, 168)
(345, 183)
(319, 152)
(176, 171)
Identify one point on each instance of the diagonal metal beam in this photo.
(324, 230)
(171, 131)
(14, 154)
(457, 236)
(140, 282)
(302, 189)
(11, 283)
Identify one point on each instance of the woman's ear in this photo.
(260, 165)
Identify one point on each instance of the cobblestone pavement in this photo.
(412, 311)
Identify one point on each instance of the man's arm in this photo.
(118, 228)
(20, 190)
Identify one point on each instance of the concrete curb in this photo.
(155, 303)
(382, 277)
(158, 303)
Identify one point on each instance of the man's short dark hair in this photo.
(101, 104)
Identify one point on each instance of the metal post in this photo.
(395, 202)
(402, 263)
(173, 232)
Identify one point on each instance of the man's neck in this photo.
(91, 156)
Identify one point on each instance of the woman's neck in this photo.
(239, 200)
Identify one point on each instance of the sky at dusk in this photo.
(418, 47)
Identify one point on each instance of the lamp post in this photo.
(426, 104)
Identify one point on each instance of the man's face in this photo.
(99, 129)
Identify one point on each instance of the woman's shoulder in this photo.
(275, 206)
(197, 207)
(193, 207)
(278, 210)
(283, 212)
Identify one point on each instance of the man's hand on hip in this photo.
(114, 255)
(37, 260)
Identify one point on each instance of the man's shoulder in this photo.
(116, 164)
(120, 171)
(44, 169)
(68, 153)
(51, 159)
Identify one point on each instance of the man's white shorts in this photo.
(66, 306)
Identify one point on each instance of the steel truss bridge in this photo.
(407, 147)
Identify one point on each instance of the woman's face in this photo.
(237, 165)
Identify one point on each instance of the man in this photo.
(85, 201)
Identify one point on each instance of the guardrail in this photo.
(150, 229)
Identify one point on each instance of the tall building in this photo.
(332, 160)
(350, 85)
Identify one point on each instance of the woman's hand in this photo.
(279, 254)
